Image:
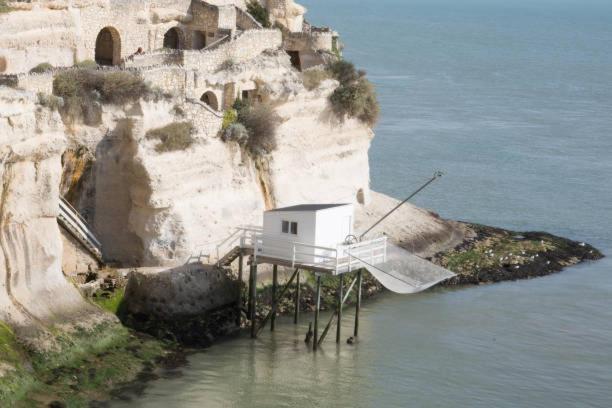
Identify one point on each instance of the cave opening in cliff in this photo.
(295, 59)
(210, 99)
(108, 47)
(173, 39)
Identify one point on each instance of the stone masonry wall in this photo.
(246, 46)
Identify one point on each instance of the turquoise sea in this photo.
(513, 100)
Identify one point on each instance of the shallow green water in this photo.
(514, 101)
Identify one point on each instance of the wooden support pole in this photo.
(296, 312)
(273, 310)
(249, 297)
(240, 284)
(274, 299)
(240, 262)
(339, 309)
(358, 303)
(333, 316)
(315, 342)
(253, 295)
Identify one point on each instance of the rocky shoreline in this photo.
(133, 358)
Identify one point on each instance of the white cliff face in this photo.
(33, 290)
(319, 158)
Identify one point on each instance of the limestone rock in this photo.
(34, 294)
(188, 290)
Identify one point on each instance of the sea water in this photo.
(513, 100)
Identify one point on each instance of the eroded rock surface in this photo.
(34, 294)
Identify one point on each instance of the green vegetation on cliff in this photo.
(259, 13)
(355, 97)
(4, 8)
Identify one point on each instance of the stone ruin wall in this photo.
(246, 46)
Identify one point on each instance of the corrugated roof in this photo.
(308, 207)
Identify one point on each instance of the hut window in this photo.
(289, 227)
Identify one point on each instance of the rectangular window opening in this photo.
(294, 228)
(285, 227)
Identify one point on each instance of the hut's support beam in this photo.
(340, 302)
(358, 303)
(253, 296)
(315, 342)
(274, 299)
(240, 283)
(333, 316)
(296, 312)
(273, 311)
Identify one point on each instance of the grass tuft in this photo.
(112, 303)
(5, 8)
(173, 137)
(314, 77)
(41, 68)
(83, 91)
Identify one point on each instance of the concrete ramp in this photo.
(403, 272)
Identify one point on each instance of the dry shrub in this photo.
(259, 13)
(49, 101)
(261, 121)
(4, 8)
(314, 77)
(236, 132)
(173, 137)
(86, 64)
(84, 90)
(2, 64)
(41, 68)
(356, 96)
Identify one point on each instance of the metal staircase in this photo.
(71, 221)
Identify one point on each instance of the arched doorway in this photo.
(198, 40)
(173, 39)
(210, 99)
(108, 47)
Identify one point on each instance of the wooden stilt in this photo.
(240, 259)
(335, 314)
(273, 309)
(296, 312)
(315, 343)
(339, 308)
(240, 284)
(358, 303)
(254, 300)
(249, 297)
(274, 299)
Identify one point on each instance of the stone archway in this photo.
(198, 41)
(108, 47)
(210, 99)
(174, 39)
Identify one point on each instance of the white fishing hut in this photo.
(315, 224)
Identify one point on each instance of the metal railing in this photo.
(76, 225)
(343, 258)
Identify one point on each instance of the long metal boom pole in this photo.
(436, 176)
